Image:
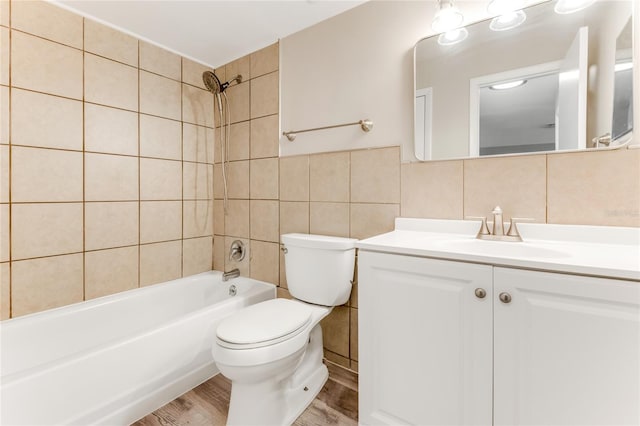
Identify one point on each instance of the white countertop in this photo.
(602, 251)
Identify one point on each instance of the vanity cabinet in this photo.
(448, 342)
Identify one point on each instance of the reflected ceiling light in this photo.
(501, 7)
(564, 7)
(620, 66)
(448, 17)
(453, 37)
(508, 21)
(509, 85)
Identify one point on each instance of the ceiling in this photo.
(213, 32)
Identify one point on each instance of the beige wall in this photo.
(107, 161)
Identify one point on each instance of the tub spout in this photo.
(234, 273)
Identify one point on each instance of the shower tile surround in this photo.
(349, 193)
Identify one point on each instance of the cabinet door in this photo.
(567, 350)
(424, 341)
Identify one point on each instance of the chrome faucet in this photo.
(497, 230)
(234, 273)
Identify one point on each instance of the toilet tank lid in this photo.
(318, 241)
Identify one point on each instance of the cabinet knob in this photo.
(505, 297)
(481, 293)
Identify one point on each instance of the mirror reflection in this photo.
(547, 84)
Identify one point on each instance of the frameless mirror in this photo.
(545, 85)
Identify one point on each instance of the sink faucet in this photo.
(234, 273)
(497, 230)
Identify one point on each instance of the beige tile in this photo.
(5, 291)
(353, 299)
(283, 293)
(265, 220)
(218, 252)
(197, 143)
(264, 179)
(5, 234)
(594, 188)
(5, 48)
(160, 221)
(197, 106)
(110, 178)
(218, 183)
(237, 218)
(265, 261)
(160, 96)
(45, 175)
(109, 225)
(238, 179)
(516, 184)
(265, 137)
(4, 174)
(197, 255)
(58, 124)
(5, 115)
(4, 13)
(294, 217)
(48, 21)
(329, 219)
(218, 217)
(110, 43)
(50, 282)
(197, 180)
(265, 60)
(241, 66)
(294, 178)
(265, 95)
(44, 66)
(244, 264)
(110, 130)
(432, 189)
(192, 72)
(197, 218)
(239, 137)
(111, 83)
(283, 276)
(110, 271)
(160, 262)
(45, 229)
(375, 176)
(329, 177)
(160, 61)
(368, 220)
(335, 331)
(239, 102)
(160, 138)
(160, 179)
(353, 345)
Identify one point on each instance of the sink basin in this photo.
(499, 248)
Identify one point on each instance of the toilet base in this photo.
(300, 399)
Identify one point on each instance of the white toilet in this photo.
(272, 351)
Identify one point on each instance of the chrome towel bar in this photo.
(366, 125)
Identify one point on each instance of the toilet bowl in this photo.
(272, 351)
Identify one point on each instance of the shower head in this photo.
(213, 84)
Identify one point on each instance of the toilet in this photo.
(272, 351)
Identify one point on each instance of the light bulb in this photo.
(508, 21)
(453, 37)
(448, 17)
(564, 7)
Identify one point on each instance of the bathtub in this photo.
(115, 359)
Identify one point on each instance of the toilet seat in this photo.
(263, 324)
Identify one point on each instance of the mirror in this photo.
(545, 85)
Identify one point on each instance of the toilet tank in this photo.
(319, 268)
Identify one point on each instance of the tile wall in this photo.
(107, 161)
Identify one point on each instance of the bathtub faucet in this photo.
(234, 273)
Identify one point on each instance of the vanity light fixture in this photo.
(509, 85)
(447, 18)
(453, 37)
(564, 7)
(508, 21)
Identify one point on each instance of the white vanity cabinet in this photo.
(447, 342)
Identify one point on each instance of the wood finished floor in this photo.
(207, 404)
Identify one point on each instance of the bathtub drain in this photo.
(232, 290)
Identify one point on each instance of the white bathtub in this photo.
(115, 359)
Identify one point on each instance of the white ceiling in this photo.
(213, 32)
